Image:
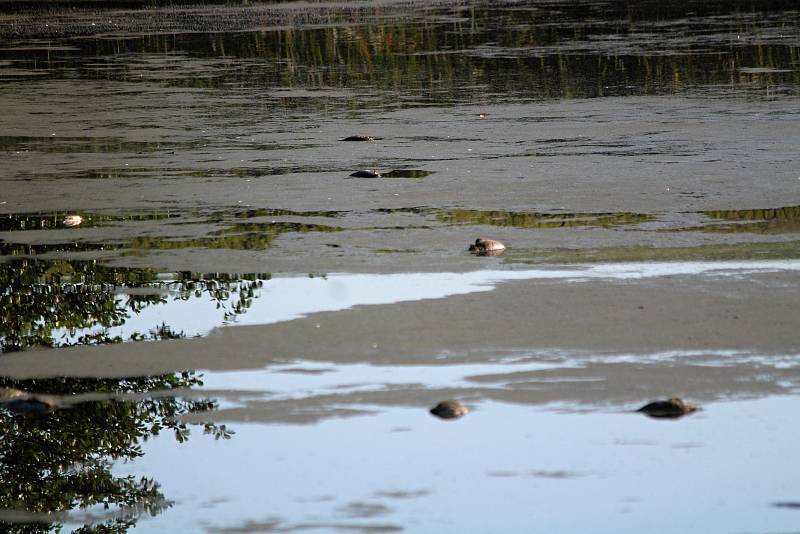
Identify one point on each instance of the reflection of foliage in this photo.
(237, 236)
(39, 299)
(85, 144)
(243, 236)
(277, 212)
(163, 331)
(34, 303)
(32, 249)
(52, 220)
(788, 213)
(61, 461)
(542, 220)
(436, 53)
(759, 221)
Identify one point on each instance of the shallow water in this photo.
(542, 470)
(237, 336)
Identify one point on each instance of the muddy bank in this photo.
(652, 315)
(585, 174)
(619, 155)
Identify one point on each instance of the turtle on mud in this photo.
(22, 402)
(366, 174)
(668, 409)
(487, 247)
(449, 409)
(359, 138)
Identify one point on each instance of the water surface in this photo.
(237, 337)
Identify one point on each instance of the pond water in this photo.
(208, 325)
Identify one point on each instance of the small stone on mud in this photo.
(449, 409)
(72, 220)
(359, 138)
(487, 247)
(366, 174)
(668, 409)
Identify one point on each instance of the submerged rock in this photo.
(449, 409)
(359, 138)
(366, 174)
(670, 408)
(487, 247)
(22, 402)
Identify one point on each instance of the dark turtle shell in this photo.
(449, 409)
(668, 409)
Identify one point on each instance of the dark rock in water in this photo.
(487, 247)
(22, 402)
(359, 138)
(668, 409)
(449, 409)
(366, 174)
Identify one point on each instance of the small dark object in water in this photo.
(22, 402)
(366, 174)
(787, 504)
(487, 247)
(359, 138)
(449, 409)
(668, 409)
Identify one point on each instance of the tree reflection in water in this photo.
(60, 461)
(60, 303)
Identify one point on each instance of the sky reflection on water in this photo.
(542, 471)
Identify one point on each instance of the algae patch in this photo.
(542, 220)
(739, 251)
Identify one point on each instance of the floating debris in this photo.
(22, 402)
(359, 138)
(487, 247)
(366, 174)
(72, 220)
(668, 409)
(449, 409)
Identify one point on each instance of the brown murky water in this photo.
(238, 336)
